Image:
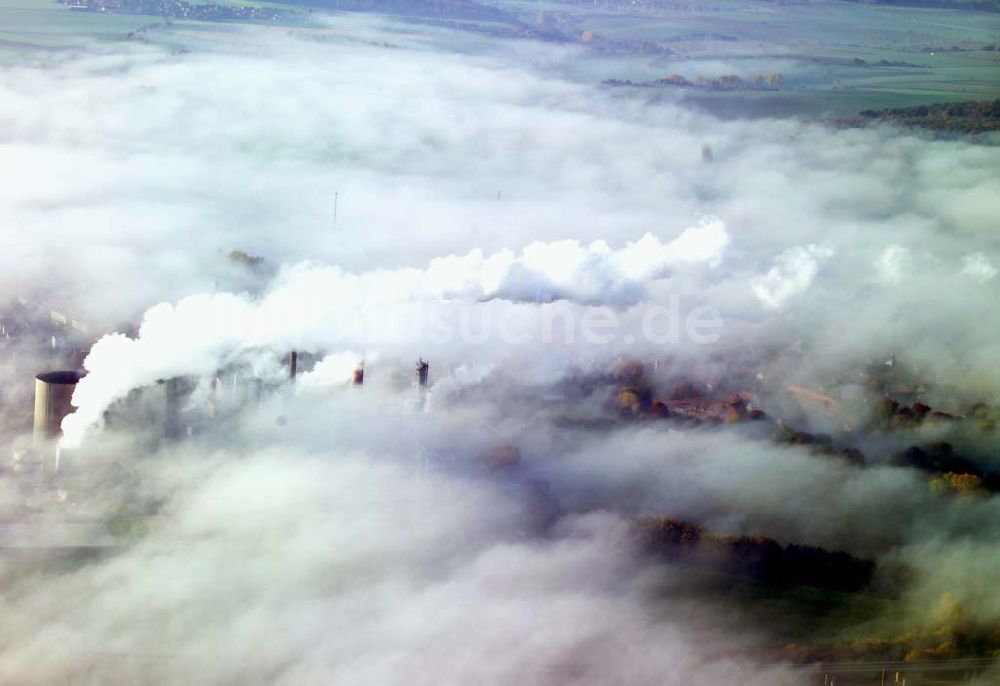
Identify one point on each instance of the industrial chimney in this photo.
(53, 393)
(423, 369)
(173, 395)
(359, 375)
(293, 364)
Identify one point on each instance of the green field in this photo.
(31, 26)
(45, 25)
(828, 51)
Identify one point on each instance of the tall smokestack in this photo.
(359, 375)
(293, 364)
(173, 393)
(423, 370)
(53, 393)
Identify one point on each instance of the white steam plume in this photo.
(313, 307)
(792, 273)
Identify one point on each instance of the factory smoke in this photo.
(310, 307)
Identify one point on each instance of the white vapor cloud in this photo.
(792, 273)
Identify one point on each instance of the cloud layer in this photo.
(341, 535)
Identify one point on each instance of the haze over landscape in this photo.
(450, 342)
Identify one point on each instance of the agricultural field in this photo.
(835, 57)
(29, 26)
(32, 25)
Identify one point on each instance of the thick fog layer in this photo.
(283, 559)
(368, 197)
(130, 180)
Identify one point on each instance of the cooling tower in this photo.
(53, 392)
